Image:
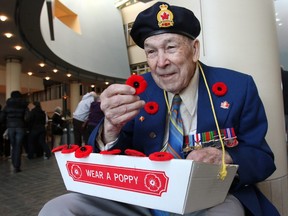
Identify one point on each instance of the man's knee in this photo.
(55, 206)
(230, 206)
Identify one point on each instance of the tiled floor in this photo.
(24, 193)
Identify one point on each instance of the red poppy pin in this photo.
(219, 89)
(111, 152)
(151, 107)
(69, 149)
(83, 151)
(59, 148)
(137, 82)
(133, 152)
(161, 156)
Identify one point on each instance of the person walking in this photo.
(94, 118)
(14, 115)
(2, 130)
(57, 126)
(80, 117)
(36, 121)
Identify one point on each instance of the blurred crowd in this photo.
(27, 130)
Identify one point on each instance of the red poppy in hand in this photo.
(59, 148)
(219, 89)
(161, 156)
(69, 149)
(133, 152)
(111, 152)
(151, 107)
(83, 151)
(137, 82)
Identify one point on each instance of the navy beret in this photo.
(162, 18)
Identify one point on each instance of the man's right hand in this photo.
(119, 104)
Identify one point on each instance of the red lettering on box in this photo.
(137, 180)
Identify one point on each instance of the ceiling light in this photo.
(8, 35)
(42, 64)
(47, 78)
(30, 73)
(106, 83)
(69, 75)
(55, 70)
(18, 47)
(92, 86)
(3, 18)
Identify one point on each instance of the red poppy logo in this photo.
(151, 107)
(161, 156)
(219, 89)
(137, 82)
(152, 182)
(76, 171)
(133, 152)
(83, 151)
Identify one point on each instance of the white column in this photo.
(13, 74)
(74, 96)
(241, 35)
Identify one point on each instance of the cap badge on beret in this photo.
(165, 17)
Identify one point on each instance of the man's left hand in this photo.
(209, 155)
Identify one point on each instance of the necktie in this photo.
(175, 140)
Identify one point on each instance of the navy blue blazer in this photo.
(245, 114)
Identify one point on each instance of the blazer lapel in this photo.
(205, 117)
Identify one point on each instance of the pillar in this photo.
(241, 35)
(74, 95)
(13, 75)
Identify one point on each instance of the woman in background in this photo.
(57, 126)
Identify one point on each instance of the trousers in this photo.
(74, 204)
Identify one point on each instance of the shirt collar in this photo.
(190, 94)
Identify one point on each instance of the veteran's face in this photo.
(172, 59)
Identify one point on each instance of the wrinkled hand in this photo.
(119, 105)
(209, 155)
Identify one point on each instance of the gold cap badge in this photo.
(165, 17)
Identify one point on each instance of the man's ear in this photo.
(196, 50)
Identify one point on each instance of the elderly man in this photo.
(206, 97)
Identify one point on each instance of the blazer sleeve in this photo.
(253, 155)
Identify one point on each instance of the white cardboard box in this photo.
(178, 186)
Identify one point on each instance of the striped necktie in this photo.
(176, 138)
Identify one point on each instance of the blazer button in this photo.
(152, 135)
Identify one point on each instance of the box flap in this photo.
(205, 188)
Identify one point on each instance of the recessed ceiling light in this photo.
(18, 47)
(55, 70)
(47, 78)
(8, 35)
(3, 18)
(69, 75)
(42, 64)
(107, 83)
(30, 73)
